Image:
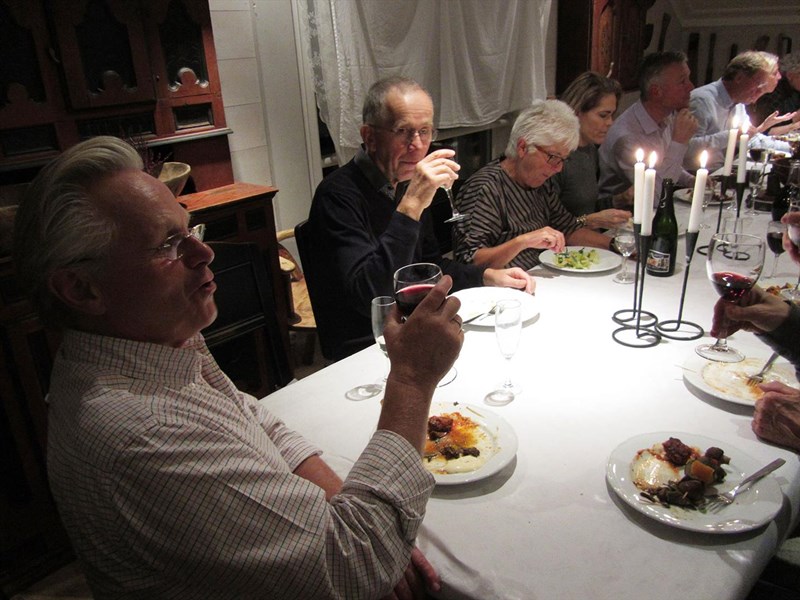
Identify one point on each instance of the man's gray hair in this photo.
(545, 123)
(374, 111)
(749, 63)
(58, 225)
(790, 63)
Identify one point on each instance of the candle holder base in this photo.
(628, 315)
(676, 329)
(634, 337)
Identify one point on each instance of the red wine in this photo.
(731, 286)
(408, 298)
(775, 242)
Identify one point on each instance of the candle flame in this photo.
(703, 159)
(639, 155)
(653, 159)
(735, 122)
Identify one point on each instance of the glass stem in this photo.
(507, 384)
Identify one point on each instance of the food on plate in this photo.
(776, 290)
(455, 444)
(672, 473)
(731, 378)
(577, 259)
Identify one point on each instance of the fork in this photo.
(483, 315)
(719, 501)
(757, 378)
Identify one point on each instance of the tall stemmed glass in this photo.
(794, 236)
(754, 179)
(456, 217)
(775, 231)
(507, 328)
(380, 308)
(625, 242)
(411, 284)
(733, 264)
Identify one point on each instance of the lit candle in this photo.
(638, 186)
(741, 173)
(648, 195)
(699, 193)
(726, 168)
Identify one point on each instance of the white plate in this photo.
(498, 430)
(726, 381)
(685, 195)
(608, 260)
(750, 510)
(479, 300)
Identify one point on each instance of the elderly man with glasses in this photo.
(513, 202)
(370, 217)
(170, 482)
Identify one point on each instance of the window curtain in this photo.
(479, 59)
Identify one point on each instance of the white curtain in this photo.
(479, 59)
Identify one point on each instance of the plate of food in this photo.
(581, 259)
(649, 473)
(466, 443)
(686, 195)
(728, 381)
(477, 303)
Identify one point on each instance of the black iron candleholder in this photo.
(638, 336)
(628, 315)
(678, 329)
(724, 180)
(740, 185)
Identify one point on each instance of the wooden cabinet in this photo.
(32, 541)
(141, 69)
(601, 36)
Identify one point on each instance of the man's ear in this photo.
(368, 136)
(77, 291)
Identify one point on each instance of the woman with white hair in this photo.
(784, 99)
(513, 203)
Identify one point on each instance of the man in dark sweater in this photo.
(369, 218)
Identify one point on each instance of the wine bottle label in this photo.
(658, 262)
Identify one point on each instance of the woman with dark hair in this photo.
(594, 99)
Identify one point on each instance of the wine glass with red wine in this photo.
(411, 284)
(733, 264)
(775, 231)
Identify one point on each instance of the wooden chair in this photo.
(245, 338)
(301, 319)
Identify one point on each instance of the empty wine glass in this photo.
(380, 309)
(754, 179)
(794, 235)
(625, 242)
(733, 264)
(456, 216)
(507, 328)
(775, 231)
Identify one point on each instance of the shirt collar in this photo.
(373, 174)
(723, 95)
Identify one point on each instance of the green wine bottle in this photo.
(664, 241)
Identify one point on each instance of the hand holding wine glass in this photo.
(507, 329)
(625, 241)
(733, 264)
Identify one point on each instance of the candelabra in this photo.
(678, 329)
(639, 335)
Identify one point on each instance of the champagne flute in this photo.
(754, 179)
(381, 308)
(775, 231)
(733, 264)
(507, 329)
(625, 242)
(411, 284)
(794, 235)
(456, 217)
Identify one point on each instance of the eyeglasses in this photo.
(407, 134)
(174, 247)
(554, 160)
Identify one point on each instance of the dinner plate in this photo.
(751, 509)
(608, 260)
(480, 300)
(499, 432)
(686, 194)
(727, 381)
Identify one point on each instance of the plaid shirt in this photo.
(173, 484)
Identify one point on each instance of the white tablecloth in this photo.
(548, 525)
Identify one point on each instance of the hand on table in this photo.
(777, 415)
(757, 311)
(607, 219)
(419, 578)
(512, 278)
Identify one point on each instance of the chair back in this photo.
(245, 338)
